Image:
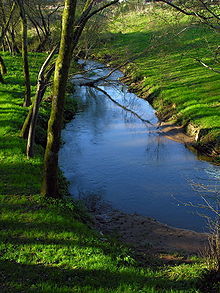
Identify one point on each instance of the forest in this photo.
(109, 146)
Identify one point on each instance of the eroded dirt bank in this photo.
(189, 134)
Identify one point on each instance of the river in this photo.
(115, 154)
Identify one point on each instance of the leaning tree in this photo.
(72, 28)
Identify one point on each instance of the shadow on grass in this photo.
(44, 249)
(57, 279)
(35, 278)
(18, 175)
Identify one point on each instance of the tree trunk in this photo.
(50, 179)
(8, 44)
(14, 44)
(3, 70)
(24, 28)
(26, 124)
(27, 97)
(3, 66)
(33, 122)
(41, 46)
(43, 80)
(1, 78)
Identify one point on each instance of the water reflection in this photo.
(111, 152)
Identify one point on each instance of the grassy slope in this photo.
(44, 246)
(18, 176)
(167, 69)
(44, 249)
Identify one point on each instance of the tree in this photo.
(206, 12)
(49, 186)
(24, 29)
(42, 15)
(71, 32)
(44, 76)
(4, 29)
(6, 11)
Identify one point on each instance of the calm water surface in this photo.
(110, 152)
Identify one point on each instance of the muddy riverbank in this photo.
(143, 233)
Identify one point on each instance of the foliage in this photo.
(45, 245)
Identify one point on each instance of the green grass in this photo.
(45, 246)
(18, 175)
(168, 69)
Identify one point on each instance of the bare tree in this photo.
(41, 15)
(44, 76)
(4, 29)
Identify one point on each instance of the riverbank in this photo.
(146, 235)
(49, 245)
(165, 73)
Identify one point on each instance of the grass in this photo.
(167, 69)
(12, 147)
(45, 245)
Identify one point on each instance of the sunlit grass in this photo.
(45, 247)
(18, 175)
(170, 44)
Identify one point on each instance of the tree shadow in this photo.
(37, 277)
(37, 229)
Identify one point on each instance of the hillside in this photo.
(162, 49)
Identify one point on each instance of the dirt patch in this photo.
(144, 233)
(176, 133)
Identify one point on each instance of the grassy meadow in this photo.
(48, 246)
(166, 71)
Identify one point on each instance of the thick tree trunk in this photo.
(50, 179)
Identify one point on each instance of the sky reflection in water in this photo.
(110, 152)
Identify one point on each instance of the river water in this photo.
(115, 154)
